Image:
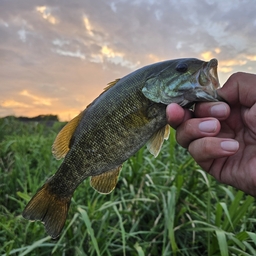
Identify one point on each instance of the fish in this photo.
(128, 114)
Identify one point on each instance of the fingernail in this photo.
(219, 110)
(229, 145)
(208, 126)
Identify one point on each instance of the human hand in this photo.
(222, 137)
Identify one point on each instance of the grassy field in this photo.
(163, 206)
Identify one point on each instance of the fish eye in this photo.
(182, 67)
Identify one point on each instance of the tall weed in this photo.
(161, 206)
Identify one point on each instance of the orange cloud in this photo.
(251, 57)
(225, 69)
(217, 50)
(88, 26)
(233, 62)
(210, 54)
(14, 104)
(46, 14)
(37, 100)
(110, 53)
(117, 57)
(154, 58)
(226, 66)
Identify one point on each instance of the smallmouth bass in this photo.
(130, 113)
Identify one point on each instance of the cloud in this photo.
(3, 23)
(13, 104)
(66, 53)
(88, 26)
(227, 66)
(45, 11)
(117, 57)
(60, 42)
(251, 57)
(36, 99)
(210, 54)
(23, 35)
(76, 54)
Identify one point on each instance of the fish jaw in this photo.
(208, 82)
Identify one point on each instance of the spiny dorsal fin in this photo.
(106, 182)
(111, 84)
(156, 141)
(60, 146)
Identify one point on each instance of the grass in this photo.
(163, 206)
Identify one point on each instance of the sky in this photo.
(57, 56)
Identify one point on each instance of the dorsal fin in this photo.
(106, 182)
(111, 84)
(156, 141)
(60, 146)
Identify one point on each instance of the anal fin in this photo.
(106, 182)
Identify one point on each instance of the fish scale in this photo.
(130, 113)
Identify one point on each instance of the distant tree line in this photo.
(39, 118)
(48, 120)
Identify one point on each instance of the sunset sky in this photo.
(57, 56)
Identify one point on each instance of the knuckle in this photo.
(206, 145)
(200, 149)
(236, 77)
(185, 134)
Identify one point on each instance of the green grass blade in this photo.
(139, 250)
(225, 208)
(24, 196)
(222, 240)
(122, 229)
(250, 248)
(252, 236)
(88, 224)
(241, 213)
(218, 215)
(169, 210)
(58, 244)
(35, 245)
(208, 212)
(236, 240)
(237, 251)
(237, 210)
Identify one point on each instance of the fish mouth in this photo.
(208, 81)
(210, 70)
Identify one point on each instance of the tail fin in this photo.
(49, 208)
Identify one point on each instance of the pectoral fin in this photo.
(61, 144)
(106, 182)
(156, 141)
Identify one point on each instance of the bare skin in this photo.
(221, 137)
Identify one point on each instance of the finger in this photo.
(176, 115)
(196, 128)
(207, 149)
(239, 88)
(219, 110)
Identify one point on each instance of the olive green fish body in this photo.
(126, 116)
(113, 127)
(110, 131)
